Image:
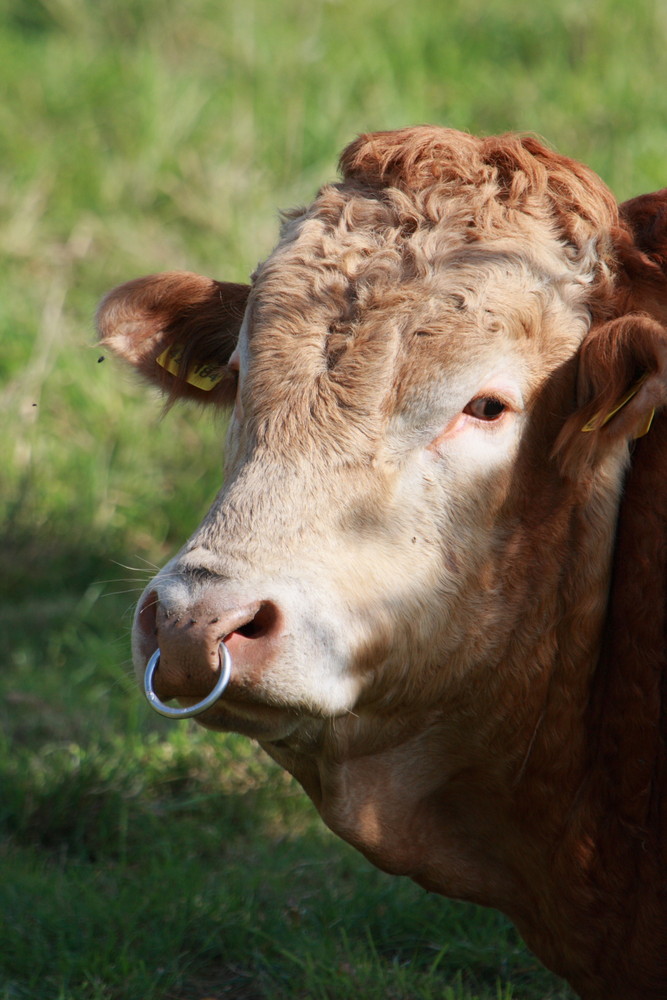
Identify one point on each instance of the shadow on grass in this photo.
(191, 868)
(172, 891)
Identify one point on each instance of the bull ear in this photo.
(178, 330)
(622, 385)
(622, 378)
(642, 255)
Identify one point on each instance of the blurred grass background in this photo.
(139, 859)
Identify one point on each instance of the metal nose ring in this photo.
(201, 706)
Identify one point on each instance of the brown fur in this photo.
(642, 254)
(507, 742)
(498, 175)
(614, 358)
(202, 317)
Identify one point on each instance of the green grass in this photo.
(140, 859)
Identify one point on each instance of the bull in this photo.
(433, 585)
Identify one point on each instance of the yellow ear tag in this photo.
(646, 426)
(600, 419)
(203, 376)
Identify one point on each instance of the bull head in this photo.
(436, 376)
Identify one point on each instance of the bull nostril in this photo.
(262, 624)
(250, 631)
(147, 617)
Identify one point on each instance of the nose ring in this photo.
(201, 706)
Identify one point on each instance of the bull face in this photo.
(392, 526)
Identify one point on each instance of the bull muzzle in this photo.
(187, 646)
(189, 711)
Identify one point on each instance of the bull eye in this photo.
(486, 408)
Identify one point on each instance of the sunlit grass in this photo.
(139, 859)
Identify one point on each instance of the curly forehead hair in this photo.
(516, 171)
(421, 190)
